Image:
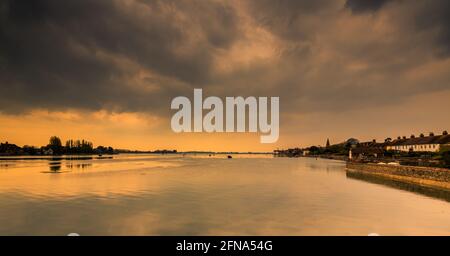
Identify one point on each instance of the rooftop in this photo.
(437, 139)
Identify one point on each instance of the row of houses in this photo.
(430, 143)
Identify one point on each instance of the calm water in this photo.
(201, 195)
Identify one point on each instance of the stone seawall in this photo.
(424, 176)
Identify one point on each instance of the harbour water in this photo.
(208, 195)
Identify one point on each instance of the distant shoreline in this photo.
(54, 158)
(110, 156)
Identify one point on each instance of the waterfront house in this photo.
(370, 149)
(430, 143)
(48, 151)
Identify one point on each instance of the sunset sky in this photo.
(107, 70)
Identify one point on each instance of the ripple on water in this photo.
(151, 195)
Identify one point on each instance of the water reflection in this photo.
(203, 195)
(431, 192)
(4, 166)
(82, 166)
(55, 167)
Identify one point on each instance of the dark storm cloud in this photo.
(61, 53)
(363, 6)
(289, 18)
(435, 17)
(127, 55)
(366, 59)
(423, 15)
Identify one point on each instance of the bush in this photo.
(444, 148)
(446, 158)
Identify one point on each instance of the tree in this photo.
(446, 158)
(314, 150)
(352, 142)
(79, 147)
(29, 150)
(328, 143)
(444, 133)
(104, 150)
(55, 145)
(55, 141)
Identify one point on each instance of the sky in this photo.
(107, 70)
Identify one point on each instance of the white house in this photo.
(431, 143)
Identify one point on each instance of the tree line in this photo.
(76, 147)
(56, 147)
